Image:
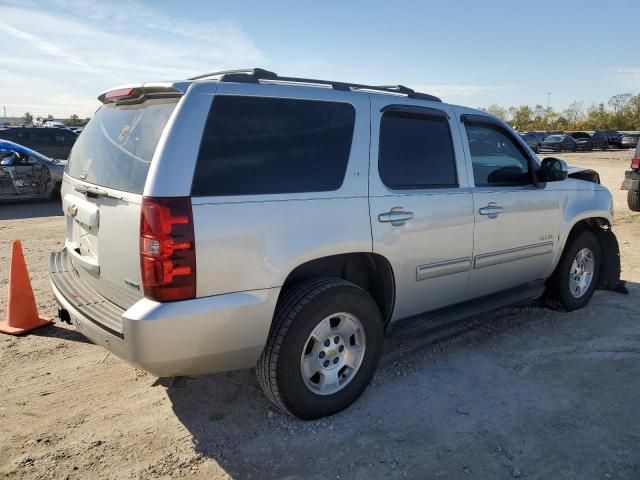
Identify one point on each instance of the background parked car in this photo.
(629, 140)
(542, 136)
(632, 182)
(559, 143)
(600, 140)
(613, 138)
(51, 142)
(533, 140)
(584, 142)
(53, 124)
(26, 174)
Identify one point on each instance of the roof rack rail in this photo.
(225, 75)
(255, 75)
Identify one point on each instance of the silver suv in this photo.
(243, 219)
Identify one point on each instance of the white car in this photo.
(54, 124)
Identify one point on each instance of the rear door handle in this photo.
(397, 216)
(492, 210)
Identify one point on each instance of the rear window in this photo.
(260, 145)
(117, 145)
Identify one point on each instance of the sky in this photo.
(57, 56)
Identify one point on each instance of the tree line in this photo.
(71, 121)
(622, 112)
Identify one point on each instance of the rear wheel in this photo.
(323, 348)
(633, 200)
(572, 284)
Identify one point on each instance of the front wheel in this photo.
(633, 200)
(573, 282)
(323, 348)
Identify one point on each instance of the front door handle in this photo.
(492, 210)
(397, 216)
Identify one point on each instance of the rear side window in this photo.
(416, 151)
(261, 145)
(117, 145)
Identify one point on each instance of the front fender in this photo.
(599, 223)
(570, 224)
(590, 208)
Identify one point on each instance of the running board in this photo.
(433, 321)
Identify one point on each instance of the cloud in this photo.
(71, 49)
(627, 78)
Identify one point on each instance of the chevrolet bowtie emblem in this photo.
(73, 210)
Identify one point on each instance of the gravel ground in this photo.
(527, 392)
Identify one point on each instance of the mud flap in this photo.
(610, 274)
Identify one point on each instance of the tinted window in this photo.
(497, 160)
(259, 145)
(42, 136)
(20, 135)
(117, 145)
(416, 151)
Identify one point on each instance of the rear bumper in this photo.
(192, 337)
(631, 180)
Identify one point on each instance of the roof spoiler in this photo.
(131, 94)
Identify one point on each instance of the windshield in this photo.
(117, 145)
(554, 139)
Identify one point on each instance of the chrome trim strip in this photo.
(519, 253)
(440, 269)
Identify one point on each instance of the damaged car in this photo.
(28, 175)
(245, 219)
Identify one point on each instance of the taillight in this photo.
(635, 163)
(167, 249)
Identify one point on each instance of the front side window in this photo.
(497, 160)
(416, 151)
(264, 145)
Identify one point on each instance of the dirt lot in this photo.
(526, 393)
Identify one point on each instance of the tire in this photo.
(300, 311)
(558, 293)
(633, 200)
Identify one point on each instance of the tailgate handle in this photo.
(84, 261)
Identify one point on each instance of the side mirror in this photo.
(553, 170)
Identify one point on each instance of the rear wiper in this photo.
(97, 191)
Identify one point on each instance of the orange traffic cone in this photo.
(22, 313)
